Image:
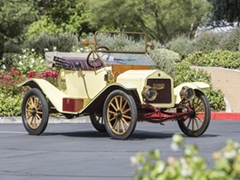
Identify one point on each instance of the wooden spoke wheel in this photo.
(198, 122)
(93, 59)
(119, 114)
(97, 122)
(35, 112)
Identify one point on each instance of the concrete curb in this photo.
(86, 119)
(18, 119)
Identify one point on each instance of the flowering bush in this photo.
(150, 166)
(9, 80)
(50, 76)
(29, 60)
(10, 95)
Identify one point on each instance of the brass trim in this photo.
(159, 86)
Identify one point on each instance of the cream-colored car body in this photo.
(90, 84)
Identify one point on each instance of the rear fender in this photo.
(193, 85)
(51, 92)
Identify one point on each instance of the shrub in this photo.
(10, 94)
(206, 42)
(1, 45)
(183, 73)
(45, 42)
(191, 165)
(217, 58)
(163, 61)
(180, 45)
(231, 41)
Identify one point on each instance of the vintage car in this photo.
(116, 88)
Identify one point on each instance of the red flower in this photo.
(13, 69)
(31, 74)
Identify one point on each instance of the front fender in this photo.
(193, 85)
(52, 93)
(96, 104)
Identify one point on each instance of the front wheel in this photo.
(35, 112)
(196, 124)
(119, 114)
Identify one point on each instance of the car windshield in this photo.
(126, 59)
(126, 48)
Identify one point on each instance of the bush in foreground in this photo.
(190, 166)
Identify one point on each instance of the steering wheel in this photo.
(93, 58)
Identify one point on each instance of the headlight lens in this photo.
(149, 93)
(187, 93)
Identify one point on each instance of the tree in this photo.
(61, 16)
(225, 12)
(15, 16)
(160, 19)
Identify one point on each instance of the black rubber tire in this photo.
(35, 112)
(97, 122)
(120, 111)
(201, 105)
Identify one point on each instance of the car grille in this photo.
(165, 94)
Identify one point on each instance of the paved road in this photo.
(77, 151)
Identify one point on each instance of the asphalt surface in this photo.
(77, 151)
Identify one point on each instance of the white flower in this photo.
(31, 66)
(174, 146)
(32, 60)
(24, 56)
(133, 160)
(41, 61)
(24, 50)
(185, 172)
(20, 63)
(46, 49)
(4, 67)
(32, 50)
(54, 48)
(230, 154)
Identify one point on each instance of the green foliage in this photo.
(9, 59)
(61, 17)
(216, 58)
(15, 16)
(1, 45)
(10, 105)
(164, 60)
(43, 26)
(206, 42)
(191, 165)
(10, 94)
(231, 41)
(28, 61)
(46, 42)
(215, 98)
(183, 73)
(180, 45)
(161, 19)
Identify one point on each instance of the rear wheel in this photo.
(196, 124)
(119, 114)
(97, 122)
(35, 112)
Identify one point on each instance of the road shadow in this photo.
(136, 136)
